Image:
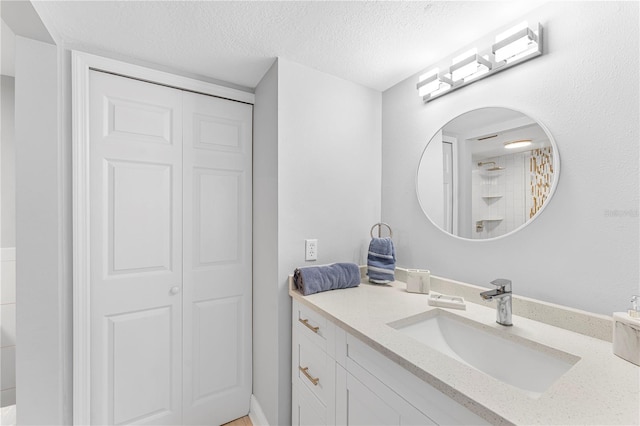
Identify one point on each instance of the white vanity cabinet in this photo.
(339, 380)
(313, 368)
(414, 401)
(361, 399)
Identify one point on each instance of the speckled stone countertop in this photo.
(599, 389)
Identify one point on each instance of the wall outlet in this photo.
(311, 249)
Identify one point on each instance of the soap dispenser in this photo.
(634, 312)
(626, 332)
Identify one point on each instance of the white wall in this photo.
(43, 327)
(7, 244)
(7, 167)
(265, 243)
(7, 49)
(328, 187)
(582, 251)
(8, 327)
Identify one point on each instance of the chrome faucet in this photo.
(502, 294)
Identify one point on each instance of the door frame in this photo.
(454, 170)
(82, 63)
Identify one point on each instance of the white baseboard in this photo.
(256, 414)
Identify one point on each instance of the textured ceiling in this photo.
(376, 44)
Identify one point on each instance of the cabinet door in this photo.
(365, 401)
(365, 408)
(370, 366)
(307, 410)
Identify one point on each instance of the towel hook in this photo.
(380, 225)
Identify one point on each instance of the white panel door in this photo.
(135, 251)
(217, 259)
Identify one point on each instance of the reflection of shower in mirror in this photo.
(477, 169)
(495, 167)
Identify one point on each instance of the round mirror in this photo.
(487, 173)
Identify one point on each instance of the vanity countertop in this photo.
(599, 389)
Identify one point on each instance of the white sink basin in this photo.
(519, 362)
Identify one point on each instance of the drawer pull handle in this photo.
(309, 326)
(312, 379)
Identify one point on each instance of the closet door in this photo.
(217, 259)
(135, 251)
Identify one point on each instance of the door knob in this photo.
(174, 290)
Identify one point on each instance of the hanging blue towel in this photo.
(381, 261)
(314, 279)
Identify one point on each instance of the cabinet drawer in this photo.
(307, 409)
(316, 370)
(312, 325)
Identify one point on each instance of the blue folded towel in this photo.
(314, 279)
(381, 261)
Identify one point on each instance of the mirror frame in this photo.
(552, 190)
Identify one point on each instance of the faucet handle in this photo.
(503, 284)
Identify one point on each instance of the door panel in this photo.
(138, 120)
(217, 207)
(217, 259)
(139, 211)
(135, 251)
(217, 346)
(140, 364)
(219, 133)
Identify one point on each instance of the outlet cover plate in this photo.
(311, 249)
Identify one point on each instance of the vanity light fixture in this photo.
(515, 43)
(431, 83)
(468, 66)
(521, 143)
(511, 47)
